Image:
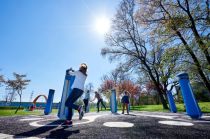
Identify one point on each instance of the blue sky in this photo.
(42, 38)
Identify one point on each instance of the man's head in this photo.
(126, 92)
(83, 65)
(83, 68)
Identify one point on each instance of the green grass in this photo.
(148, 108)
(205, 108)
(20, 112)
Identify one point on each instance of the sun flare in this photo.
(102, 25)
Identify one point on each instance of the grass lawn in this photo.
(205, 108)
(20, 112)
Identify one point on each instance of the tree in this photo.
(179, 22)
(108, 84)
(89, 87)
(2, 80)
(106, 87)
(10, 95)
(131, 87)
(151, 91)
(125, 43)
(197, 15)
(18, 85)
(200, 93)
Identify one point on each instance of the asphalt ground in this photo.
(94, 126)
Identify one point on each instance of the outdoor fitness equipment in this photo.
(63, 110)
(191, 104)
(48, 107)
(33, 106)
(171, 102)
(113, 101)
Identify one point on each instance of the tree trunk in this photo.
(162, 99)
(157, 84)
(19, 103)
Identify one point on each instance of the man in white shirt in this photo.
(77, 91)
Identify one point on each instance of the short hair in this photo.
(83, 65)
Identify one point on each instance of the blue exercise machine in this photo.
(191, 105)
(63, 110)
(113, 101)
(48, 107)
(172, 104)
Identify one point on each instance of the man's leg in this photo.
(69, 116)
(98, 105)
(123, 108)
(102, 103)
(68, 121)
(88, 107)
(86, 104)
(127, 108)
(75, 94)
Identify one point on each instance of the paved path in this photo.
(107, 125)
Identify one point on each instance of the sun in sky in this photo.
(102, 24)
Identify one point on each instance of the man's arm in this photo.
(70, 71)
(93, 99)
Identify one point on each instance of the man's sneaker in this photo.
(67, 123)
(81, 113)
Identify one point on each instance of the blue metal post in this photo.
(113, 102)
(171, 102)
(191, 104)
(63, 110)
(48, 108)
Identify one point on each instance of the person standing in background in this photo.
(86, 100)
(125, 102)
(100, 100)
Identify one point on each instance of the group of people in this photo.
(77, 91)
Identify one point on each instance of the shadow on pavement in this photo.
(115, 113)
(62, 133)
(130, 114)
(59, 133)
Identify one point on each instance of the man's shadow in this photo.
(62, 133)
(59, 133)
(130, 114)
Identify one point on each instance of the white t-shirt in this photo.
(87, 95)
(79, 80)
